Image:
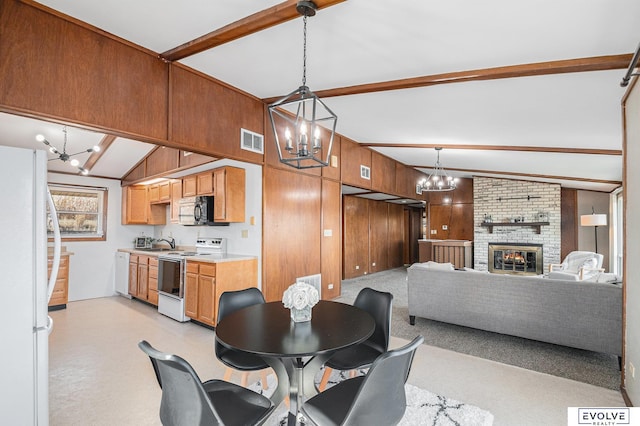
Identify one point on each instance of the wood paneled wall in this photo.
(353, 156)
(64, 70)
(56, 68)
(207, 115)
(355, 236)
(291, 229)
(331, 239)
(395, 237)
(373, 236)
(378, 236)
(456, 214)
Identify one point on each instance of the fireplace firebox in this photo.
(515, 258)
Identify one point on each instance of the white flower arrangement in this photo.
(300, 296)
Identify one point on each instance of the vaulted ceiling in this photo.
(524, 90)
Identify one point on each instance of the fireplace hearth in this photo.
(515, 258)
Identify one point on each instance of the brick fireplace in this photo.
(515, 208)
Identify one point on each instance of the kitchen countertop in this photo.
(211, 258)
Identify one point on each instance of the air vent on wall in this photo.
(251, 141)
(365, 172)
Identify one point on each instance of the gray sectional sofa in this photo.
(584, 315)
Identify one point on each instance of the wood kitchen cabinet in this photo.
(176, 195)
(152, 295)
(200, 291)
(137, 210)
(204, 183)
(60, 295)
(206, 281)
(229, 203)
(143, 278)
(189, 186)
(200, 184)
(159, 192)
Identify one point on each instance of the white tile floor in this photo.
(98, 376)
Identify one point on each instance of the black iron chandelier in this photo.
(63, 156)
(439, 180)
(300, 119)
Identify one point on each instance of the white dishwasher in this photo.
(122, 274)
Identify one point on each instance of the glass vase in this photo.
(301, 315)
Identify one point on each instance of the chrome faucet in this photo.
(172, 242)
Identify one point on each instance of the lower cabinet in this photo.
(206, 281)
(60, 295)
(143, 278)
(200, 286)
(152, 295)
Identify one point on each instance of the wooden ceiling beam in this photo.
(596, 63)
(528, 175)
(512, 148)
(259, 21)
(104, 145)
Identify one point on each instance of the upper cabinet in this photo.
(137, 210)
(229, 204)
(147, 204)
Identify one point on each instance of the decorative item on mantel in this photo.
(300, 298)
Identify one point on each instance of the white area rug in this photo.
(424, 408)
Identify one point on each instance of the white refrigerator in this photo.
(24, 322)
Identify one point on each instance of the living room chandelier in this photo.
(300, 135)
(63, 156)
(439, 180)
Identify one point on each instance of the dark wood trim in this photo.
(104, 145)
(251, 24)
(589, 151)
(596, 63)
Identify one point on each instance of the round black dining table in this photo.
(295, 350)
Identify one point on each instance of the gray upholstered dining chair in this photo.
(378, 305)
(187, 401)
(231, 301)
(378, 398)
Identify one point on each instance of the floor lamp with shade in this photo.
(594, 220)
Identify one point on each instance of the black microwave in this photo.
(197, 211)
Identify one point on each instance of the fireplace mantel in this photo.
(535, 225)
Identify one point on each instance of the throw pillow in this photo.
(474, 270)
(440, 266)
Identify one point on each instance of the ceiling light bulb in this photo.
(40, 138)
(303, 128)
(53, 150)
(74, 162)
(83, 171)
(96, 148)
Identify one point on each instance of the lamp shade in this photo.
(593, 220)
